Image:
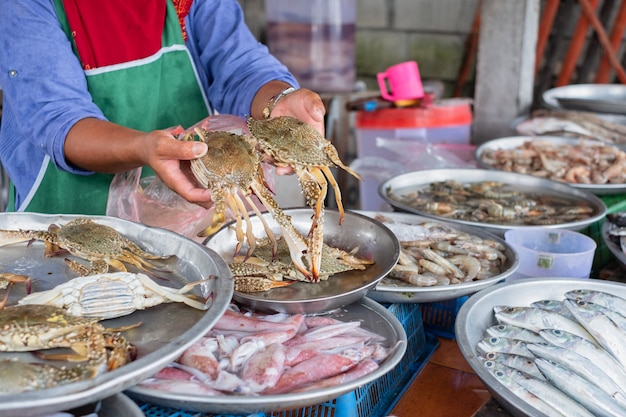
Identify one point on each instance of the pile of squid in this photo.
(253, 354)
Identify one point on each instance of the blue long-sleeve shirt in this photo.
(45, 90)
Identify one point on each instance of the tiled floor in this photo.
(446, 387)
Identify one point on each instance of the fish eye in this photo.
(490, 355)
(499, 373)
(501, 327)
(557, 332)
(489, 364)
(494, 340)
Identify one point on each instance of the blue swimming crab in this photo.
(101, 245)
(231, 169)
(37, 328)
(291, 142)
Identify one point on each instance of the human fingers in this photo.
(305, 105)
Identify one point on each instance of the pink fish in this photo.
(315, 369)
(323, 332)
(232, 320)
(363, 368)
(170, 372)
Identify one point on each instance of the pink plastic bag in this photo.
(148, 201)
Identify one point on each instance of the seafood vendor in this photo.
(90, 87)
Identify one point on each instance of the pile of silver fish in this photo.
(252, 354)
(563, 357)
(617, 229)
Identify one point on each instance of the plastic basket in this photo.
(439, 317)
(603, 256)
(374, 399)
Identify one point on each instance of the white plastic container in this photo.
(390, 135)
(546, 252)
(315, 40)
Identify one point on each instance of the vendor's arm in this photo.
(100, 146)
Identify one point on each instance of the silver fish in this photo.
(508, 378)
(610, 301)
(553, 396)
(503, 345)
(592, 352)
(553, 305)
(513, 332)
(537, 319)
(583, 367)
(521, 363)
(603, 329)
(586, 393)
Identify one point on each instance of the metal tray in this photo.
(407, 293)
(615, 249)
(412, 181)
(598, 98)
(476, 315)
(373, 240)
(119, 405)
(373, 316)
(517, 141)
(165, 330)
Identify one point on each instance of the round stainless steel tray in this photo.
(476, 315)
(373, 316)
(373, 240)
(407, 293)
(517, 141)
(411, 181)
(597, 98)
(165, 331)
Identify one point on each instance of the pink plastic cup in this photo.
(401, 82)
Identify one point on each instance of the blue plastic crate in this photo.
(439, 317)
(374, 399)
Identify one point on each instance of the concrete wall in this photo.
(433, 33)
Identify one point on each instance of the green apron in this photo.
(153, 94)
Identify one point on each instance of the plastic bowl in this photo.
(545, 252)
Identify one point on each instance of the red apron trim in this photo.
(182, 9)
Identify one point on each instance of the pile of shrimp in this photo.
(587, 162)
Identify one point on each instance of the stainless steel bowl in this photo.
(165, 331)
(476, 315)
(411, 181)
(517, 141)
(412, 294)
(371, 238)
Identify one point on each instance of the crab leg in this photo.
(298, 249)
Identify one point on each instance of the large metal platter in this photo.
(407, 293)
(165, 331)
(373, 240)
(373, 317)
(517, 141)
(412, 181)
(476, 315)
(615, 249)
(597, 98)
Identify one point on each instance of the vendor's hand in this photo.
(169, 159)
(304, 105)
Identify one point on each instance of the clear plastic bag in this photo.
(148, 201)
